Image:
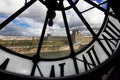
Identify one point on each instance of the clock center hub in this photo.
(57, 4)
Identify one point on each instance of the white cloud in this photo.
(35, 17)
(10, 6)
(34, 29)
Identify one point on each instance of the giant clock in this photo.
(79, 64)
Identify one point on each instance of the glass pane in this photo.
(55, 44)
(8, 7)
(82, 5)
(22, 34)
(80, 35)
(95, 18)
(102, 3)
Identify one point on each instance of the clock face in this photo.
(59, 38)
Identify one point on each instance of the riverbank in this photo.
(44, 49)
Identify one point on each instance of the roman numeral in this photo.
(4, 64)
(52, 70)
(39, 71)
(109, 43)
(62, 69)
(86, 63)
(110, 37)
(92, 56)
(52, 73)
(112, 31)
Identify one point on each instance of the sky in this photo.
(31, 21)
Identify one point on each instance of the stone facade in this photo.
(78, 38)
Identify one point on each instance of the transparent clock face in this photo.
(62, 37)
(22, 35)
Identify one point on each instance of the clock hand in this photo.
(50, 16)
(42, 35)
(67, 29)
(36, 57)
(72, 54)
(51, 9)
(45, 2)
(52, 6)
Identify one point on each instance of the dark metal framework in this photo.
(94, 74)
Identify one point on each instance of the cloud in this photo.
(21, 28)
(31, 21)
(37, 12)
(9, 6)
(93, 16)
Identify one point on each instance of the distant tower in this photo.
(49, 37)
(76, 36)
(73, 35)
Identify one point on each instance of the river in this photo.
(52, 55)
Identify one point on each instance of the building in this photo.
(49, 37)
(76, 37)
(16, 37)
